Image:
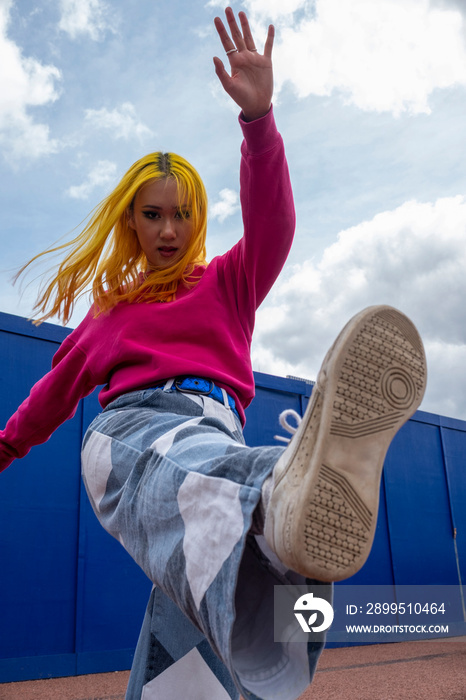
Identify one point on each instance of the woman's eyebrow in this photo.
(155, 206)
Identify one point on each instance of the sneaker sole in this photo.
(323, 507)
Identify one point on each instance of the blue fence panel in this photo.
(39, 517)
(72, 600)
(453, 437)
(418, 509)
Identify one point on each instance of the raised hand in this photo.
(250, 84)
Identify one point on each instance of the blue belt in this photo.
(203, 387)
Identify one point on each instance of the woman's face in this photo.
(162, 222)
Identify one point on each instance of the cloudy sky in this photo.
(370, 99)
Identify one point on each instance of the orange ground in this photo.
(434, 670)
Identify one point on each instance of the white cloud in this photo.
(92, 17)
(123, 122)
(381, 55)
(449, 4)
(101, 175)
(413, 258)
(24, 83)
(226, 206)
(271, 10)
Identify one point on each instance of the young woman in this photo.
(214, 524)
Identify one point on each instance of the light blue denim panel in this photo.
(170, 477)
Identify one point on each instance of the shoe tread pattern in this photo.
(382, 376)
(338, 523)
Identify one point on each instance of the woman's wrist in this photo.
(251, 116)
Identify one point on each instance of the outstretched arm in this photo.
(250, 84)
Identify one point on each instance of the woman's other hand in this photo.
(250, 84)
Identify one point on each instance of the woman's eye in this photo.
(183, 214)
(150, 214)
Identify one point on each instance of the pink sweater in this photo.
(206, 331)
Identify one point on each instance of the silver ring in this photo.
(252, 49)
(231, 51)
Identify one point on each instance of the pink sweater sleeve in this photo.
(52, 400)
(268, 214)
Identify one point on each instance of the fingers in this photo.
(236, 34)
(236, 42)
(240, 39)
(227, 43)
(222, 74)
(248, 40)
(269, 41)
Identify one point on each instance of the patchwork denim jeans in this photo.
(169, 475)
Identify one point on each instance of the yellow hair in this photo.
(107, 251)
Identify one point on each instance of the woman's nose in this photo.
(168, 229)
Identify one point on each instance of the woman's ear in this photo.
(130, 218)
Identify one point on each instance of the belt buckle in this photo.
(190, 385)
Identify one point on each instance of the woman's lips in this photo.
(167, 251)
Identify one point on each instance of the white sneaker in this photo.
(322, 512)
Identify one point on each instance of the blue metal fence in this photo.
(72, 600)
